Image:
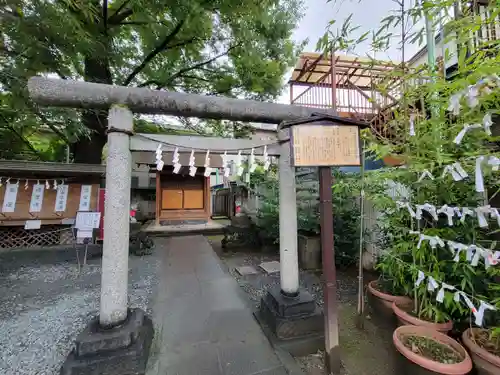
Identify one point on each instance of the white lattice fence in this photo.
(18, 237)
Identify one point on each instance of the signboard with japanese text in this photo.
(315, 145)
(37, 198)
(85, 194)
(61, 198)
(10, 197)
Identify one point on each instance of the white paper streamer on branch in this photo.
(401, 204)
(456, 248)
(472, 96)
(175, 161)
(420, 278)
(432, 284)
(494, 162)
(26, 185)
(487, 123)
(455, 105)
(47, 185)
(10, 197)
(479, 175)
(465, 129)
(461, 295)
(479, 315)
(460, 170)
(481, 213)
(208, 169)
(451, 169)
(55, 185)
(449, 212)
(412, 124)
(425, 174)
(466, 212)
(430, 208)
(434, 241)
(440, 294)
(37, 198)
(159, 159)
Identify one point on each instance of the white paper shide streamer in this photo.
(425, 174)
(465, 129)
(192, 168)
(225, 164)
(252, 165)
(159, 159)
(175, 161)
(267, 161)
(239, 165)
(208, 169)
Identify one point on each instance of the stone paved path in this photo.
(202, 324)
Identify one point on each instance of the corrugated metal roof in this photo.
(36, 167)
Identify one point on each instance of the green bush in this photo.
(345, 208)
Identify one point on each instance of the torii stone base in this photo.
(122, 350)
(294, 323)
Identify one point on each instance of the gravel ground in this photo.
(256, 285)
(45, 303)
(363, 353)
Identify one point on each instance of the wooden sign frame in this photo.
(329, 145)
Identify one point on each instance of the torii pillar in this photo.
(291, 313)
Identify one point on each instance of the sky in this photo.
(366, 14)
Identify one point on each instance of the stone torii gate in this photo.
(118, 341)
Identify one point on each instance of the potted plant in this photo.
(484, 348)
(484, 343)
(424, 350)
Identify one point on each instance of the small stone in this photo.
(270, 267)
(246, 270)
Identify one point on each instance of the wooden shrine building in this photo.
(181, 198)
(39, 201)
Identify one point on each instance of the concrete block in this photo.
(270, 267)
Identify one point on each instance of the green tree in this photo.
(212, 47)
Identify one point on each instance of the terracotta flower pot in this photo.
(485, 362)
(380, 305)
(423, 365)
(404, 318)
(393, 160)
(385, 299)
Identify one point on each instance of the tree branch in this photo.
(116, 17)
(47, 122)
(105, 16)
(195, 66)
(24, 140)
(159, 48)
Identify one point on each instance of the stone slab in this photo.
(212, 331)
(246, 270)
(270, 267)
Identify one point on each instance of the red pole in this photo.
(333, 363)
(332, 349)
